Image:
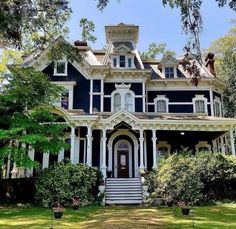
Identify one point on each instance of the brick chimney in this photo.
(210, 63)
(81, 45)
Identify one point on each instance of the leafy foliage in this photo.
(24, 124)
(64, 181)
(194, 178)
(88, 28)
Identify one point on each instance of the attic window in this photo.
(169, 72)
(60, 68)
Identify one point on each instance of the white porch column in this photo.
(212, 103)
(89, 146)
(141, 139)
(154, 149)
(145, 150)
(61, 155)
(104, 147)
(31, 153)
(8, 166)
(144, 104)
(72, 145)
(91, 97)
(222, 145)
(110, 157)
(232, 142)
(102, 96)
(45, 160)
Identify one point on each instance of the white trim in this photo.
(117, 58)
(199, 98)
(144, 97)
(217, 100)
(161, 98)
(55, 73)
(122, 90)
(211, 102)
(45, 160)
(124, 132)
(91, 97)
(116, 155)
(163, 144)
(202, 144)
(61, 155)
(102, 96)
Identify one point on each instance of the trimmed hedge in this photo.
(64, 181)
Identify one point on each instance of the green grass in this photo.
(122, 217)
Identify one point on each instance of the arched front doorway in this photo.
(123, 159)
(123, 149)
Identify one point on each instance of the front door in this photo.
(123, 163)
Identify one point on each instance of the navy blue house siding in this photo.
(81, 90)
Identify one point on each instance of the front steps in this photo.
(123, 191)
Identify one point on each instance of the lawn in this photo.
(122, 217)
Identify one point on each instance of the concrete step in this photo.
(123, 198)
(124, 201)
(123, 195)
(127, 191)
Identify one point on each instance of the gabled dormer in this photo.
(169, 67)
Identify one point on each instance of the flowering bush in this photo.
(75, 201)
(57, 207)
(182, 204)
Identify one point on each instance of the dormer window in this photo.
(60, 68)
(122, 61)
(169, 72)
(200, 104)
(161, 104)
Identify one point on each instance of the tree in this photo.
(88, 28)
(225, 50)
(154, 50)
(25, 123)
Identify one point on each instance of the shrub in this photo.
(178, 178)
(194, 178)
(64, 181)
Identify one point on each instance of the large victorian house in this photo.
(125, 113)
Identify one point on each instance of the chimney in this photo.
(81, 45)
(210, 63)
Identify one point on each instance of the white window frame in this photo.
(161, 98)
(199, 98)
(165, 145)
(202, 144)
(173, 72)
(217, 100)
(127, 57)
(66, 68)
(69, 86)
(122, 89)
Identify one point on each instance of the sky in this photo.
(156, 23)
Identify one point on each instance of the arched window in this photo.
(200, 104)
(122, 98)
(117, 102)
(161, 104)
(217, 107)
(129, 102)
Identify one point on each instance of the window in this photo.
(161, 104)
(199, 104)
(169, 72)
(122, 98)
(129, 62)
(217, 107)
(114, 62)
(202, 146)
(65, 100)
(163, 148)
(117, 102)
(122, 61)
(60, 68)
(128, 102)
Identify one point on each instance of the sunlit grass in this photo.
(215, 217)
